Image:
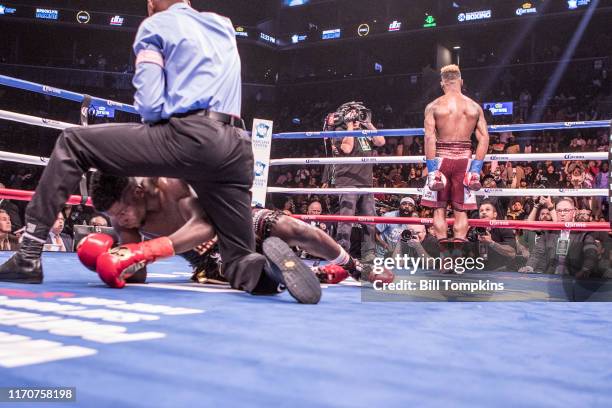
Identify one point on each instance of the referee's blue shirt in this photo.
(186, 60)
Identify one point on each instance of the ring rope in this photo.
(34, 120)
(523, 127)
(24, 195)
(486, 192)
(77, 97)
(24, 159)
(421, 159)
(42, 161)
(49, 123)
(62, 93)
(508, 224)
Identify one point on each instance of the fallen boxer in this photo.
(158, 207)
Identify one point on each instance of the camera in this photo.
(476, 232)
(352, 112)
(408, 235)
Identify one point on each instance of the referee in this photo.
(188, 92)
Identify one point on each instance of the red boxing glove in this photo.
(436, 181)
(117, 265)
(386, 276)
(472, 181)
(91, 247)
(332, 274)
(472, 176)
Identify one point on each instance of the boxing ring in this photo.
(172, 343)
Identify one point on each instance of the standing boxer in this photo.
(449, 123)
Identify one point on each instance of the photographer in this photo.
(353, 116)
(543, 210)
(388, 235)
(416, 242)
(497, 246)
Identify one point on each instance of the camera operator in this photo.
(354, 116)
(571, 253)
(497, 246)
(388, 235)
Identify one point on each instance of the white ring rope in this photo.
(421, 159)
(34, 120)
(23, 158)
(485, 192)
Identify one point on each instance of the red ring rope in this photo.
(24, 195)
(529, 225)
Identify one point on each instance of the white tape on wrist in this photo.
(150, 56)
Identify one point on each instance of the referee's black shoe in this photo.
(20, 269)
(285, 267)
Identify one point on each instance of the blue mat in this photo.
(192, 345)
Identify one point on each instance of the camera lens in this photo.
(407, 235)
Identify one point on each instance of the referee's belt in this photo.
(218, 116)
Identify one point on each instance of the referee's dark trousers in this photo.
(216, 159)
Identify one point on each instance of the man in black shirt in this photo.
(354, 116)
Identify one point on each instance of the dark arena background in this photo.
(514, 312)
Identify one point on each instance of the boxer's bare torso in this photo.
(450, 121)
(455, 116)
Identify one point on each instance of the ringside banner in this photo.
(262, 141)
